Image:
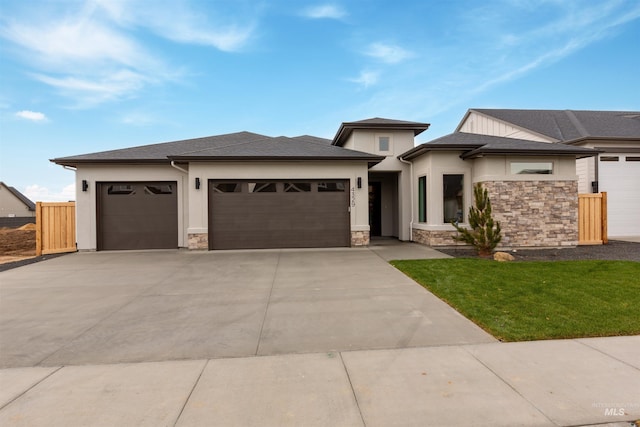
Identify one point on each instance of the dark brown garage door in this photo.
(137, 215)
(278, 214)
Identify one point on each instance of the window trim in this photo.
(532, 162)
(465, 180)
(377, 149)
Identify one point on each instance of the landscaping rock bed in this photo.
(614, 250)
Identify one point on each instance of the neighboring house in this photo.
(245, 190)
(14, 204)
(616, 134)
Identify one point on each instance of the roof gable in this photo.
(376, 123)
(18, 195)
(473, 145)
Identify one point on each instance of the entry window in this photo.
(227, 187)
(422, 199)
(383, 143)
(121, 190)
(330, 186)
(158, 189)
(262, 187)
(453, 192)
(297, 187)
(531, 168)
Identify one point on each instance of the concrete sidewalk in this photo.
(543, 383)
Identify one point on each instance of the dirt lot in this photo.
(17, 244)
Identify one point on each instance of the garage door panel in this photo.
(137, 215)
(621, 180)
(279, 219)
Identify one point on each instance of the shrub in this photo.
(484, 234)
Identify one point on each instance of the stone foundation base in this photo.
(359, 238)
(198, 241)
(435, 237)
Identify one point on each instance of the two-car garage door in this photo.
(278, 214)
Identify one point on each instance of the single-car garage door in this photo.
(278, 214)
(137, 215)
(619, 176)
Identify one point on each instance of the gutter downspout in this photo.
(412, 196)
(173, 165)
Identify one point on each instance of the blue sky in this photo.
(93, 75)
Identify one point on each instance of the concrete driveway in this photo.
(99, 308)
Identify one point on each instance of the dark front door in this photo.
(375, 208)
(137, 215)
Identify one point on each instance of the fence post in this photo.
(38, 228)
(603, 206)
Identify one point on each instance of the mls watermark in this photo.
(616, 409)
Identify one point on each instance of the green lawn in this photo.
(519, 301)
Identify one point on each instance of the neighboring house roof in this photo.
(475, 145)
(376, 123)
(24, 199)
(234, 146)
(569, 126)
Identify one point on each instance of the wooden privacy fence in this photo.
(592, 219)
(55, 228)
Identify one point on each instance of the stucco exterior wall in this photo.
(86, 220)
(534, 210)
(484, 125)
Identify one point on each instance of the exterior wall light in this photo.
(197, 183)
(85, 185)
(359, 182)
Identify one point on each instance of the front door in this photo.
(375, 208)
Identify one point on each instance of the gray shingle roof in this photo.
(241, 145)
(473, 145)
(571, 125)
(346, 128)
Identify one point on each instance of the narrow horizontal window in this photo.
(330, 186)
(121, 190)
(609, 158)
(263, 187)
(227, 187)
(633, 159)
(297, 187)
(531, 168)
(158, 189)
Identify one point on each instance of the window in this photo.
(609, 158)
(453, 194)
(422, 199)
(297, 187)
(158, 189)
(121, 190)
(633, 158)
(383, 143)
(227, 187)
(531, 168)
(330, 186)
(262, 187)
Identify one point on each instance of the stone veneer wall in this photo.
(535, 213)
(199, 241)
(359, 238)
(531, 213)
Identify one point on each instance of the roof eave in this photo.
(602, 138)
(376, 159)
(75, 162)
(425, 148)
(481, 152)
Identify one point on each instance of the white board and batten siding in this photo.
(484, 125)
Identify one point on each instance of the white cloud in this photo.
(138, 119)
(391, 54)
(366, 78)
(94, 53)
(38, 193)
(34, 116)
(325, 11)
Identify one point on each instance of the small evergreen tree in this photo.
(484, 234)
